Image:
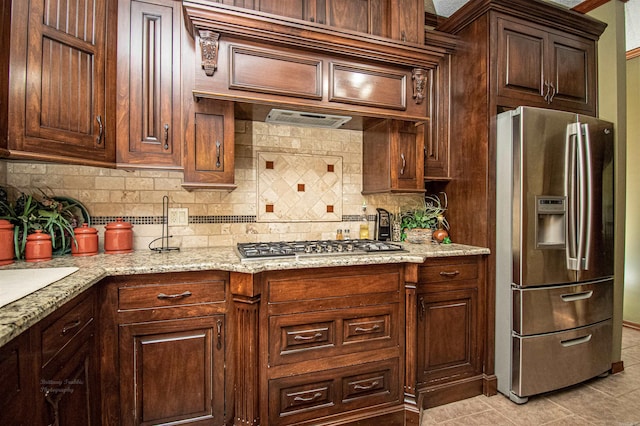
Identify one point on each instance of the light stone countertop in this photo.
(18, 316)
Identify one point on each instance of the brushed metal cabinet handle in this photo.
(162, 296)
(166, 136)
(366, 387)
(449, 273)
(70, 326)
(100, 129)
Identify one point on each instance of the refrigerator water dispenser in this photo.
(551, 223)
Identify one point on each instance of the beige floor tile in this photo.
(471, 406)
(538, 410)
(631, 355)
(487, 418)
(619, 384)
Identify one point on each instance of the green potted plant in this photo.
(419, 222)
(29, 213)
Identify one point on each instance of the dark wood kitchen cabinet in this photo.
(397, 19)
(164, 344)
(393, 156)
(450, 329)
(50, 372)
(209, 158)
(18, 382)
(545, 68)
(149, 99)
(68, 387)
(331, 344)
(58, 81)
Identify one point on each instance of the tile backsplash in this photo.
(217, 217)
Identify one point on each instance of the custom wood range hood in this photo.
(262, 61)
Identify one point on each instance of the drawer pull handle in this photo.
(576, 341)
(312, 398)
(300, 337)
(576, 296)
(163, 296)
(366, 387)
(449, 273)
(70, 326)
(218, 164)
(367, 330)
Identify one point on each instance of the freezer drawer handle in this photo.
(576, 341)
(577, 296)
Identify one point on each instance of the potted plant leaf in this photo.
(29, 213)
(419, 222)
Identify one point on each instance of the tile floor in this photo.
(610, 401)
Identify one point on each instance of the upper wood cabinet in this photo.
(59, 106)
(392, 156)
(396, 19)
(209, 158)
(545, 68)
(149, 114)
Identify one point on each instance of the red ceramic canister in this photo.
(38, 248)
(118, 237)
(86, 241)
(6, 242)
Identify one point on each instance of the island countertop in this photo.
(21, 314)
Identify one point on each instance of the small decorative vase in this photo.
(419, 235)
(38, 248)
(440, 234)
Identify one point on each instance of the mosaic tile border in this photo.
(159, 220)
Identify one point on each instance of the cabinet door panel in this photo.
(572, 71)
(66, 77)
(151, 73)
(210, 157)
(447, 335)
(521, 61)
(69, 391)
(184, 356)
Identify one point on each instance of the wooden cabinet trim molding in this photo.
(280, 30)
(557, 17)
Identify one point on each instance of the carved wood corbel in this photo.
(209, 51)
(419, 78)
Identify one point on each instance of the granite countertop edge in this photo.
(23, 313)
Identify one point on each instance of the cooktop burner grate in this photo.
(314, 248)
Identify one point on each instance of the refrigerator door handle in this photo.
(587, 184)
(570, 193)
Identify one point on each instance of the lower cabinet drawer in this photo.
(59, 333)
(170, 295)
(546, 362)
(295, 338)
(310, 396)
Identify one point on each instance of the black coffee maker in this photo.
(383, 225)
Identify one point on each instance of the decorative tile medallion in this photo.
(299, 187)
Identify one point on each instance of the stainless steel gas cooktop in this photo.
(293, 249)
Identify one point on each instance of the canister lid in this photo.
(119, 224)
(38, 236)
(85, 229)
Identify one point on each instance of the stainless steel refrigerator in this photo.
(554, 250)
